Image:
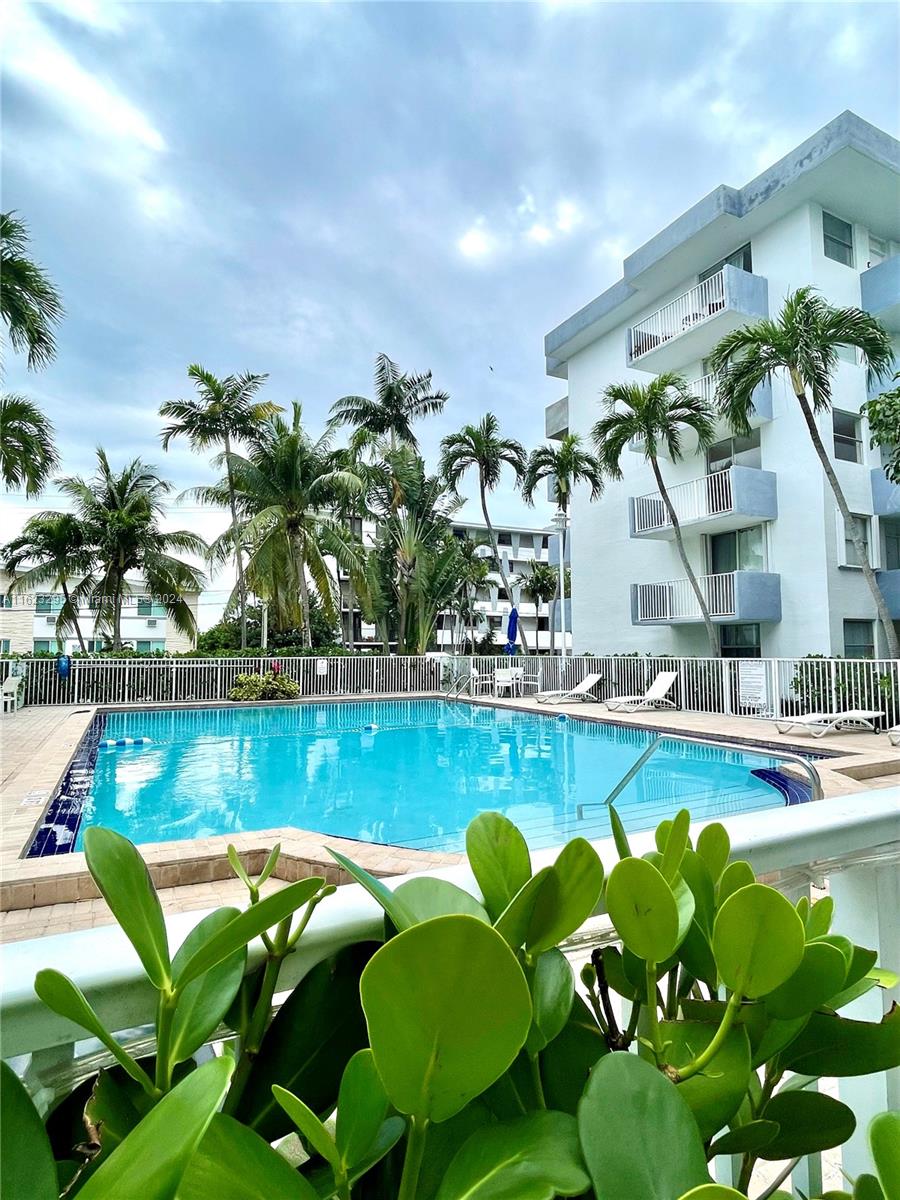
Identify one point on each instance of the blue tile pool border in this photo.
(59, 828)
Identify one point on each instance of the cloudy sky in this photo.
(293, 187)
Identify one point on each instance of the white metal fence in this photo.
(694, 306)
(742, 686)
(675, 600)
(179, 680)
(698, 498)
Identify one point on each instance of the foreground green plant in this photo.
(459, 1059)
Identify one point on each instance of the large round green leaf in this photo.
(696, 875)
(310, 1041)
(124, 881)
(714, 1095)
(758, 940)
(736, 875)
(884, 1140)
(714, 846)
(745, 1137)
(536, 1157)
(567, 1061)
(204, 1003)
(515, 920)
(712, 1191)
(499, 858)
(234, 1163)
(426, 898)
(833, 1045)
(151, 1161)
(642, 906)
(638, 1135)
(362, 1108)
(28, 1169)
(808, 1121)
(448, 1009)
(820, 975)
(552, 993)
(568, 897)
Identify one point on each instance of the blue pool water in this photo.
(416, 780)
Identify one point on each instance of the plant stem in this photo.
(707, 1055)
(165, 1015)
(535, 1062)
(653, 1014)
(412, 1164)
(672, 995)
(633, 1021)
(257, 1027)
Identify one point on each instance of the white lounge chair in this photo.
(852, 720)
(581, 691)
(654, 697)
(12, 692)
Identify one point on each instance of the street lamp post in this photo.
(559, 524)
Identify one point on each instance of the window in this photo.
(734, 452)
(859, 639)
(42, 645)
(838, 239)
(7, 600)
(495, 622)
(502, 593)
(847, 442)
(851, 558)
(891, 531)
(543, 624)
(740, 641)
(737, 550)
(504, 539)
(48, 604)
(146, 647)
(877, 250)
(4, 645)
(545, 542)
(740, 258)
(146, 608)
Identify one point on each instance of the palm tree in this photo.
(286, 488)
(120, 513)
(541, 585)
(400, 400)
(28, 455)
(352, 507)
(480, 446)
(475, 568)
(657, 414)
(803, 343)
(564, 466)
(225, 410)
(29, 303)
(55, 550)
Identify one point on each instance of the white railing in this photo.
(768, 687)
(678, 316)
(675, 600)
(179, 680)
(707, 496)
(704, 388)
(849, 844)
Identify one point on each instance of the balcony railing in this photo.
(674, 600)
(708, 496)
(690, 309)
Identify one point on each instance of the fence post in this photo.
(726, 687)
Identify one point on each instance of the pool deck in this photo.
(56, 894)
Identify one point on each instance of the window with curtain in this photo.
(863, 524)
(837, 238)
(859, 639)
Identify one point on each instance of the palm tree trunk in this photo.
(715, 651)
(850, 523)
(119, 577)
(351, 604)
(302, 588)
(493, 540)
(238, 553)
(75, 622)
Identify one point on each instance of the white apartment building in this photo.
(760, 522)
(28, 623)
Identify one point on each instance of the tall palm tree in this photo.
(286, 488)
(225, 411)
(28, 455)
(400, 400)
(352, 507)
(53, 548)
(475, 568)
(541, 585)
(481, 446)
(120, 512)
(657, 413)
(30, 305)
(564, 466)
(803, 343)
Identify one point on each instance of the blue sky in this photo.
(293, 188)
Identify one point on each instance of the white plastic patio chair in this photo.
(581, 691)
(654, 697)
(851, 720)
(12, 692)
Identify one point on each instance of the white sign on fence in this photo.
(753, 685)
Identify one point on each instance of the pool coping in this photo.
(64, 878)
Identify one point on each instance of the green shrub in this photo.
(264, 687)
(458, 1057)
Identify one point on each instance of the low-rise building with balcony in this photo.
(759, 522)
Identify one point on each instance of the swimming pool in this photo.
(406, 772)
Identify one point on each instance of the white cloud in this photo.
(568, 215)
(846, 47)
(540, 234)
(476, 242)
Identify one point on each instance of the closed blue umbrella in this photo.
(511, 630)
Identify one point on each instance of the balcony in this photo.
(885, 495)
(731, 499)
(689, 327)
(889, 582)
(879, 289)
(732, 596)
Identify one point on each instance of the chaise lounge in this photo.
(654, 697)
(852, 720)
(581, 691)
